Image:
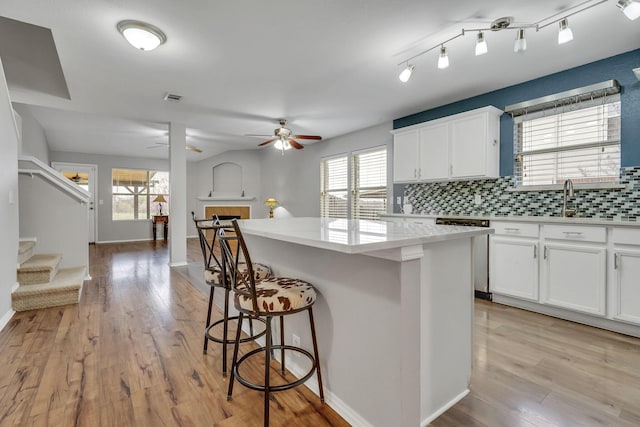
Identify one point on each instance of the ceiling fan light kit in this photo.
(141, 35)
(284, 138)
(630, 8)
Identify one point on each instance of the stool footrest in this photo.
(281, 387)
(207, 331)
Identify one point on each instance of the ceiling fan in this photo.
(166, 144)
(283, 138)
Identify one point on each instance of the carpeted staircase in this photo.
(41, 283)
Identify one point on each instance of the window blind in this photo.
(369, 177)
(334, 187)
(576, 139)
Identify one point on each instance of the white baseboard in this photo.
(6, 318)
(122, 241)
(178, 264)
(444, 408)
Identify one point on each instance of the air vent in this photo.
(172, 97)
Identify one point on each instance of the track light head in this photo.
(630, 8)
(405, 75)
(481, 44)
(565, 35)
(521, 43)
(443, 59)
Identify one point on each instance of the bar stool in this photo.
(208, 230)
(266, 298)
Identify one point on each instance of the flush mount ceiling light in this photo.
(630, 8)
(565, 35)
(141, 35)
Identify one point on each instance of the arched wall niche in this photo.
(227, 179)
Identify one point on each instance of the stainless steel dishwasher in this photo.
(481, 254)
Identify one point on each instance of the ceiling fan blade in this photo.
(295, 144)
(192, 148)
(268, 141)
(316, 137)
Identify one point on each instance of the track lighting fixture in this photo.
(481, 44)
(521, 43)
(443, 60)
(565, 35)
(630, 8)
(405, 75)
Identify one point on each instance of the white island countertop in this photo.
(355, 236)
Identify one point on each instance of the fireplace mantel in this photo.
(225, 198)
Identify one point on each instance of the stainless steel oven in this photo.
(481, 254)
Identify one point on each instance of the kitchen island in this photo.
(393, 316)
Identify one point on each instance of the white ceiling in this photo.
(330, 67)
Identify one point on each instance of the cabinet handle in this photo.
(415, 173)
(535, 252)
(450, 169)
(544, 255)
(615, 261)
(572, 233)
(511, 230)
(419, 172)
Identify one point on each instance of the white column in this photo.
(178, 194)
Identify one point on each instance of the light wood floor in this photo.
(130, 354)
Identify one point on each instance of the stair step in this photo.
(64, 289)
(40, 268)
(25, 250)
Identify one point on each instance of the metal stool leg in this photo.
(315, 353)
(206, 340)
(267, 366)
(225, 331)
(282, 366)
(235, 359)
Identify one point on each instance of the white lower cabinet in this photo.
(574, 277)
(627, 286)
(513, 267)
(625, 291)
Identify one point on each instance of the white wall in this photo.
(294, 179)
(8, 201)
(200, 183)
(34, 140)
(57, 220)
(109, 230)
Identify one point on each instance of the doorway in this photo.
(86, 177)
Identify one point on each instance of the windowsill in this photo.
(560, 187)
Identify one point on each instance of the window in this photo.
(577, 140)
(362, 196)
(334, 189)
(134, 190)
(369, 178)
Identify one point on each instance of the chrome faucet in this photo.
(567, 190)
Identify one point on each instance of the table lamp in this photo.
(160, 200)
(271, 203)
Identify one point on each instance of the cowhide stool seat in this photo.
(208, 230)
(267, 298)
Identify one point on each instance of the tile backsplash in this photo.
(458, 197)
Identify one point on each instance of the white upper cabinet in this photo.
(465, 145)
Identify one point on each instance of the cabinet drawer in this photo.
(626, 236)
(518, 229)
(575, 232)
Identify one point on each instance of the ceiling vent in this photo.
(172, 97)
